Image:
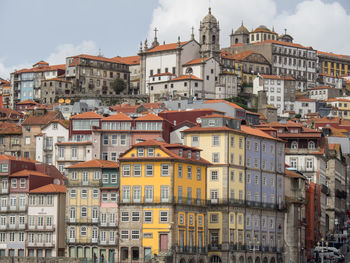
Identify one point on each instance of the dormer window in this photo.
(311, 145)
(140, 152)
(294, 145)
(150, 152)
(198, 156)
(189, 154)
(211, 123)
(181, 152)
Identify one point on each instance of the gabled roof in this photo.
(41, 119)
(49, 188)
(117, 117)
(26, 173)
(87, 115)
(149, 117)
(64, 123)
(186, 77)
(166, 47)
(42, 68)
(257, 132)
(233, 105)
(96, 163)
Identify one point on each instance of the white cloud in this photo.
(312, 23)
(58, 56)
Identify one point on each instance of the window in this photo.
(126, 193)
(114, 139)
(293, 162)
(163, 217)
(136, 195)
(125, 216)
(105, 139)
(180, 171)
(181, 219)
(198, 173)
(164, 193)
(149, 169)
(148, 216)
(94, 193)
(135, 234)
(215, 157)
(74, 176)
(105, 156)
(14, 183)
(214, 175)
(135, 216)
(140, 152)
(126, 169)
(232, 176)
(294, 145)
(124, 234)
(240, 142)
(311, 145)
(215, 140)
(165, 170)
(214, 218)
(114, 156)
(195, 141)
(83, 212)
(96, 175)
(27, 140)
(22, 183)
(137, 170)
(123, 139)
(83, 231)
(150, 152)
(74, 152)
(309, 163)
(232, 141)
(189, 172)
(84, 194)
(148, 193)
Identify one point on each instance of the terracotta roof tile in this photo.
(257, 132)
(26, 173)
(338, 99)
(283, 43)
(149, 117)
(292, 174)
(64, 123)
(41, 120)
(132, 60)
(10, 128)
(196, 61)
(14, 158)
(218, 116)
(117, 117)
(49, 188)
(154, 105)
(333, 55)
(87, 115)
(99, 58)
(186, 77)
(165, 47)
(42, 68)
(96, 163)
(27, 102)
(301, 98)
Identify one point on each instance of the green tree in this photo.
(118, 85)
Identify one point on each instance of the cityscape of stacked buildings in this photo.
(185, 152)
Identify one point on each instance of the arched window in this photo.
(311, 145)
(203, 40)
(294, 145)
(72, 232)
(83, 212)
(213, 39)
(236, 40)
(215, 259)
(83, 231)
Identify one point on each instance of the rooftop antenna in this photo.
(285, 31)
(209, 7)
(192, 34)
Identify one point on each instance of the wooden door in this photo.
(163, 242)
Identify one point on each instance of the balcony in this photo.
(4, 190)
(48, 147)
(21, 226)
(4, 209)
(22, 208)
(12, 226)
(214, 247)
(94, 240)
(3, 227)
(71, 220)
(13, 208)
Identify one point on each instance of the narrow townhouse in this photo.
(92, 210)
(162, 205)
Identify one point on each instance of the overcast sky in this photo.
(52, 30)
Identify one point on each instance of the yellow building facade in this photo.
(225, 149)
(162, 205)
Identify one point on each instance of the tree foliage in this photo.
(118, 85)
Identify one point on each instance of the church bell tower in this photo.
(209, 36)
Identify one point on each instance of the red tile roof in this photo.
(149, 117)
(26, 173)
(301, 98)
(132, 60)
(96, 163)
(332, 55)
(117, 117)
(233, 105)
(292, 174)
(49, 188)
(42, 69)
(27, 102)
(41, 119)
(186, 77)
(14, 158)
(154, 105)
(339, 99)
(218, 116)
(64, 123)
(257, 132)
(166, 47)
(196, 61)
(87, 115)
(99, 58)
(10, 128)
